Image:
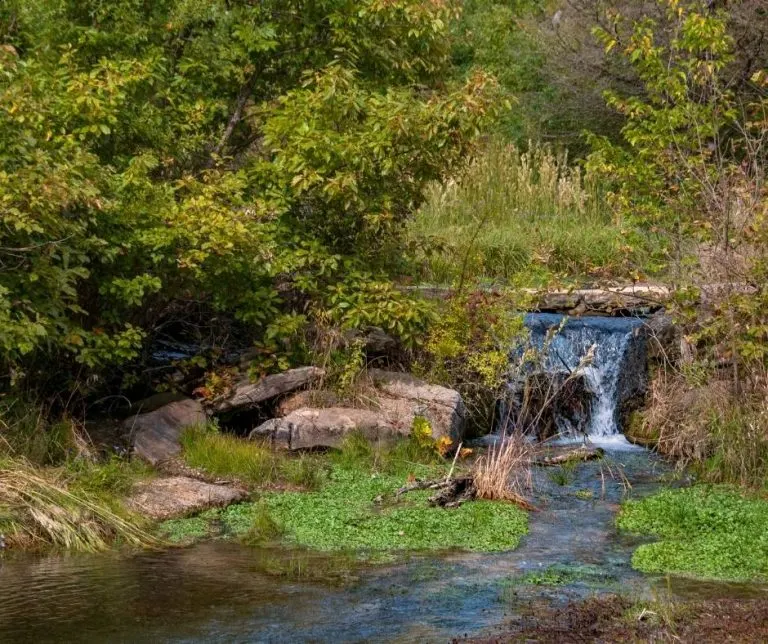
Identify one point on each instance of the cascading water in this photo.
(608, 353)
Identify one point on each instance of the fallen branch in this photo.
(581, 454)
(454, 492)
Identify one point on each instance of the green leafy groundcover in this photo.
(344, 516)
(712, 532)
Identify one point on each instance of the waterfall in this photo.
(614, 372)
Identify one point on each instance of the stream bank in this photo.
(222, 591)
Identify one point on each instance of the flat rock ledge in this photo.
(246, 394)
(179, 496)
(398, 399)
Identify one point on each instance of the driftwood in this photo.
(580, 454)
(451, 493)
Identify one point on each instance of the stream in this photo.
(220, 591)
(223, 592)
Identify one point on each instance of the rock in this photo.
(637, 297)
(397, 400)
(310, 428)
(543, 404)
(406, 397)
(246, 394)
(155, 435)
(321, 399)
(179, 496)
(663, 339)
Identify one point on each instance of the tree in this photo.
(249, 158)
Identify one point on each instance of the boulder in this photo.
(405, 397)
(177, 496)
(316, 419)
(246, 394)
(310, 428)
(155, 435)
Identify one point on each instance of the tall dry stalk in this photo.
(504, 472)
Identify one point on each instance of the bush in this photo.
(155, 174)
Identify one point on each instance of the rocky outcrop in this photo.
(406, 397)
(395, 401)
(177, 496)
(155, 435)
(246, 394)
(310, 428)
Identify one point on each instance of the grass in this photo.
(38, 510)
(505, 471)
(520, 217)
(227, 456)
(710, 532)
(355, 509)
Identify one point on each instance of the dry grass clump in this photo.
(722, 435)
(38, 512)
(505, 471)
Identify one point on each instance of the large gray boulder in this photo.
(155, 435)
(396, 401)
(246, 394)
(404, 397)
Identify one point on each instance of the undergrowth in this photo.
(226, 455)
(522, 217)
(711, 532)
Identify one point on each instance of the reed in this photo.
(516, 215)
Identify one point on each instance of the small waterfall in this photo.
(614, 373)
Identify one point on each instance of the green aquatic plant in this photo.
(564, 575)
(711, 532)
(357, 510)
(344, 515)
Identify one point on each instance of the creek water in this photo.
(224, 592)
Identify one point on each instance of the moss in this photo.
(710, 532)
(564, 575)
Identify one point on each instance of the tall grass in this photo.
(516, 215)
(250, 462)
(37, 510)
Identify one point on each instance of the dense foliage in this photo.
(162, 159)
